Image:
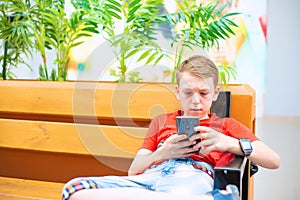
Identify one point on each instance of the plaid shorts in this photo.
(78, 185)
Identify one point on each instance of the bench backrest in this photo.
(56, 131)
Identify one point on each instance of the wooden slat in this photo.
(94, 100)
(99, 99)
(84, 139)
(58, 167)
(48, 150)
(12, 188)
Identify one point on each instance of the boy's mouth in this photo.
(195, 109)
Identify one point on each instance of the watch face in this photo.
(246, 145)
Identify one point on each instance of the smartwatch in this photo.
(246, 147)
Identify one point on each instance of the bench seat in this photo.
(22, 189)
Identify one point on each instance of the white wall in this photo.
(283, 58)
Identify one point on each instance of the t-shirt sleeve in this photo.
(238, 130)
(150, 140)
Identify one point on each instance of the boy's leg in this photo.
(131, 194)
(231, 193)
(143, 181)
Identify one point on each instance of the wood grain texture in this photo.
(14, 188)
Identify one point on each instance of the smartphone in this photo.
(186, 124)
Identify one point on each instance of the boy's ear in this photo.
(217, 92)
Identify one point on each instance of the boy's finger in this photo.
(180, 137)
(176, 138)
(201, 129)
(170, 139)
(195, 137)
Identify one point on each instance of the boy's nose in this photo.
(196, 98)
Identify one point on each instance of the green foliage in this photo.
(134, 77)
(200, 26)
(137, 37)
(39, 30)
(54, 30)
(15, 34)
(225, 73)
(41, 25)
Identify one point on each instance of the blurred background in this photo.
(279, 126)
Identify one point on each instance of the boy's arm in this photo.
(173, 147)
(142, 160)
(264, 155)
(261, 155)
(211, 139)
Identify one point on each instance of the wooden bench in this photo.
(54, 131)
(18, 189)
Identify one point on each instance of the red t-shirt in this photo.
(163, 126)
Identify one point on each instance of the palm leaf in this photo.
(144, 55)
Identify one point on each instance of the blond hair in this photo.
(199, 66)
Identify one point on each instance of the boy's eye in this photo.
(188, 93)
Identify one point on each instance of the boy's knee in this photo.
(76, 196)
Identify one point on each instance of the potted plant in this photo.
(193, 25)
(54, 30)
(41, 26)
(15, 34)
(200, 25)
(135, 38)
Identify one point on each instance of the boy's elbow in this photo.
(276, 162)
(131, 173)
(277, 165)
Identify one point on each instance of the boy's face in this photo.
(196, 94)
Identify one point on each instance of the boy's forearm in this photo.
(142, 161)
(230, 144)
(262, 155)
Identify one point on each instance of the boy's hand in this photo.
(176, 146)
(210, 140)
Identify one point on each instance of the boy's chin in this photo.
(199, 114)
(195, 113)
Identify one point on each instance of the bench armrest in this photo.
(233, 173)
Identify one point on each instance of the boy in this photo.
(170, 166)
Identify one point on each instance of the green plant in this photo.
(39, 31)
(15, 34)
(136, 39)
(46, 21)
(40, 26)
(200, 26)
(226, 72)
(54, 30)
